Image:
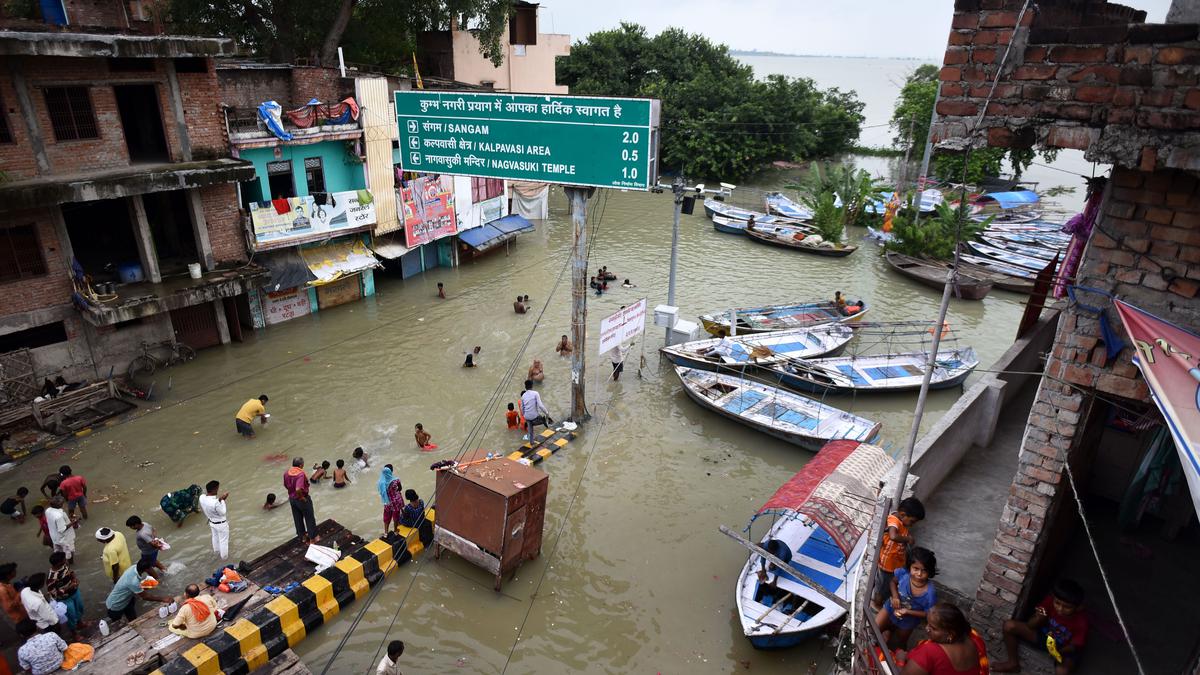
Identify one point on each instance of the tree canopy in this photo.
(378, 32)
(717, 120)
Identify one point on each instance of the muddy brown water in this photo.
(634, 576)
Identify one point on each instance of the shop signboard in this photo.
(571, 140)
(285, 305)
(427, 203)
(623, 326)
(308, 219)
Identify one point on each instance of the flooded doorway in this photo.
(141, 121)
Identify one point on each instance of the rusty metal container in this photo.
(491, 513)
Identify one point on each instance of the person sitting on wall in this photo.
(197, 616)
(1059, 625)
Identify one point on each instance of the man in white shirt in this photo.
(36, 605)
(213, 507)
(61, 527)
(387, 665)
(533, 410)
(617, 356)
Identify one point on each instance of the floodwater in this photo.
(634, 576)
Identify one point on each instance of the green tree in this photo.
(370, 31)
(914, 107)
(718, 121)
(933, 236)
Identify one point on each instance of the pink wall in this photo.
(531, 73)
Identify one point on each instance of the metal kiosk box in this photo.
(491, 513)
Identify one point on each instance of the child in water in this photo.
(513, 418)
(340, 479)
(319, 471)
(362, 458)
(270, 503)
(422, 437)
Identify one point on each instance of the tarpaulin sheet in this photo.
(837, 489)
(531, 200)
(389, 247)
(334, 261)
(288, 269)
(495, 232)
(1167, 356)
(1009, 200)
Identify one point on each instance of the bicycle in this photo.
(147, 362)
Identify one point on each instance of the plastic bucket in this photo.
(194, 270)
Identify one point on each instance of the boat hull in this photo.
(808, 386)
(719, 328)
(809, 443)
(827, 251)
(933, 275)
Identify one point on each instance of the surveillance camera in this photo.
(700, 188)
(728, 186)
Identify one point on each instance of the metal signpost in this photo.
(581, 142)
(570, 140)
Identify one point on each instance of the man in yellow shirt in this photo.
(116, 553)
(197, 617)
(255, 407)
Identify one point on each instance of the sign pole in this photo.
(677, 190)
(579, 198)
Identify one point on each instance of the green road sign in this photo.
(572, 140)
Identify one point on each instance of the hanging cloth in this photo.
(1113, 344)
(364, 197)
(282, 206)
(269, 113)
(1080, 229)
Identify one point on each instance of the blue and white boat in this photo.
(993, 265)
(774, 411)
(1054, 240)
(780, 204)
(1020, 206)
(734, 226)
(1010, 257)
(783, 317)
(760, 349)
(1029, 250)
(875, 373)
(820, 521)
(714, 208)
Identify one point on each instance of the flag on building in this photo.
(1169, 358)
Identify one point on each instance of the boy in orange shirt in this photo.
(893, 552)
(513, 418)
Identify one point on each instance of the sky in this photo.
(898, 28)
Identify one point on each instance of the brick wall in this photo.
(1146, 250)
(16, 158)
(224, 220)
(52, 288)
(247, 87)
(1081, 76)
(102, 13)
(325, 84)
(202, 113)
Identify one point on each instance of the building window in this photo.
(71, 113)
(483, 189)
(20, 254)
(5, 132)
(522, 24)
(314, 175)
(279, 180)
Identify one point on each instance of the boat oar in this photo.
(755, 548)
(759, 620)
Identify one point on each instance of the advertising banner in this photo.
(428, 209)
(306, 220)
(623, 326)
(285, 305)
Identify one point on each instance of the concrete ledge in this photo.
(36, 43)
(972, 420)
(123, 182)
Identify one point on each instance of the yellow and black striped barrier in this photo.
(250, 642)
(551, 441)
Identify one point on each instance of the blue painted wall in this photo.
(341, 171)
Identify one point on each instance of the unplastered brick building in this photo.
(116, 177)
(1093, 76)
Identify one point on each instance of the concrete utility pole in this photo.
(677, 190)
(579, 199)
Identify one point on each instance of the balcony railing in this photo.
(245, 124)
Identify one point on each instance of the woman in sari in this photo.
(391, 492)
(178, 504)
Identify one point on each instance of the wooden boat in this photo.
(782, 317)
(932, 274)
(780, 204)
(798, 240)
(1049, 240)
(1010, 257)
(880, 373)
(820, 518)
(734, 226)
(714, 208)
(760, 349)
(774, 411)
(1000, 280)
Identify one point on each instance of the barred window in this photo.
(71, 113)
(314, 174)
(20, 254)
